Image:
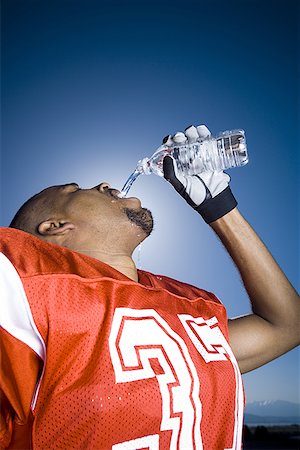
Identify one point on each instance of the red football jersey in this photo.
(95, 360)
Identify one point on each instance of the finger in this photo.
(179, 138)
(167, 140)
(203, 132)
(192, 134)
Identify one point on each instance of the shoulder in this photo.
(180, 288)
(32, 256)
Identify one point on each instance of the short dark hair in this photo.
(34, 211)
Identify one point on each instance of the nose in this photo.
(102, 187)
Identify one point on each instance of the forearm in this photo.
(272, 296)
(273, 328)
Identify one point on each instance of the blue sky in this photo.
(89, 87)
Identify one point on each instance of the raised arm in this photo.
(273, 328)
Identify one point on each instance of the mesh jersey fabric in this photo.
(128, 365)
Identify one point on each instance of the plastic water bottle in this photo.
(225, 151)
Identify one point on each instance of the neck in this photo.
(121, 262)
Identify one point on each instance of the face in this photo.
(98, 213)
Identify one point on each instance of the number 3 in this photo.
(137, 336)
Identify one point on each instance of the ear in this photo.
(54, 227)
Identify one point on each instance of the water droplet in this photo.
(139, 261)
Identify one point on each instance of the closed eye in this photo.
(72, 187)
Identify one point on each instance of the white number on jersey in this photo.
(137, 337)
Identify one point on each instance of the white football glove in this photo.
(209, 192)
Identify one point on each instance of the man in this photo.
(100, 355)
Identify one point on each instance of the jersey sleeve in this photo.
(22, 356)
(20, 371)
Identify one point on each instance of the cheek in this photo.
(87, 209)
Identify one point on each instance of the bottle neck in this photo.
(143, 166)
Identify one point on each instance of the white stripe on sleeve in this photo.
(15, 313)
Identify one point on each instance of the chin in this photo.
(141, 217)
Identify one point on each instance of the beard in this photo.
(141, 217)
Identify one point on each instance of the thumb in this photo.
(170, 174)
(168, 169)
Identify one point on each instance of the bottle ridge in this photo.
(225, 151)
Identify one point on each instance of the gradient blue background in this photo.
(89, 87)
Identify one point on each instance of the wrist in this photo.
(228, 220)
(217, 207)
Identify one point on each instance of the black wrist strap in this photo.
(216, 207)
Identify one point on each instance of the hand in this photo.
(209, 192)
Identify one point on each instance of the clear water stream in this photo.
(125, 189)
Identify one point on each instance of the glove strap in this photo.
(216, 207)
